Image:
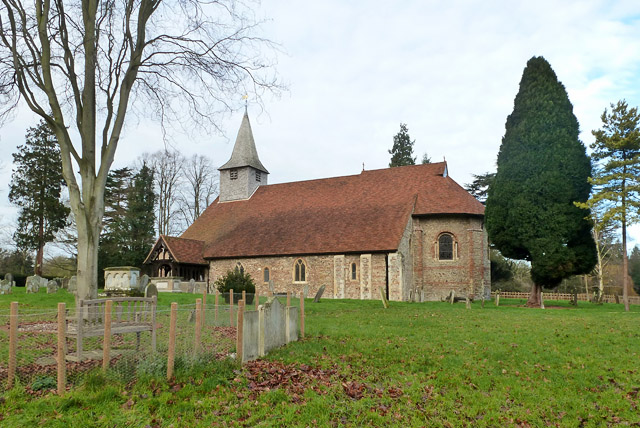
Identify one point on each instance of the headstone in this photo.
(143, 283)
(73, 284)
(150, 291)
(5, 286)
(43, 282)
(33, 284)
(64, 283)
(9, 277)
(192, 286)
(271, 287)
(52, 286)
(318, 295)
(383, 296)
(305, 290)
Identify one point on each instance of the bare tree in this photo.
(167, 167)
(200, 187)
(82, 66)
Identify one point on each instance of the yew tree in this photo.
(86, 66)
(542, 170)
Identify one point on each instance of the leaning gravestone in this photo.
(150, 291)
(52, 286)
(192, 286)
(33, 284)
(143, 282)
(72, 287)
(5, 286)
(318, 295)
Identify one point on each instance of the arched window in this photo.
(266, 272)
(240, 268)
(300, 271)
(445, 247)
(354, 272)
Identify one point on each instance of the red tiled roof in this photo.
(367, 212)
(188, 251)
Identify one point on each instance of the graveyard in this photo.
(413, 364)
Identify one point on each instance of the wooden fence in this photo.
(583, 297)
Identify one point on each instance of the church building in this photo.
(409, 232)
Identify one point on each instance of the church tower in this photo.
(244, 172)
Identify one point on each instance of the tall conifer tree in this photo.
(542, 170)
(35, 187)
(402, 151)
(617, 176)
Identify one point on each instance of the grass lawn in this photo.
(414, 364)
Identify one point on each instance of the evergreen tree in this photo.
(634, 268)
(479, 187)
(402, 151)
(616, 180)
(425, 159)
(129, 216)
(36, 184)
(542, 169)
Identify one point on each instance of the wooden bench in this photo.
(129, 315)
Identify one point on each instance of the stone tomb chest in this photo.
(122, 278)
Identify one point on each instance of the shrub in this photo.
(236, 280)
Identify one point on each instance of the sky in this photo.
(448, 69)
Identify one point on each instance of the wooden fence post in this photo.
(288, 298)
(13, 344)
(62, 351)
(106, 343)
(302, 315)
(256, 297)
(498, 298)
(215, 304)
(171, 357)
(196, 345)
(239, 332)
(204, 306)
(244, 296)
(231, 307)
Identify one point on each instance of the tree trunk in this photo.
(625, 267)
(87, 258)
(534, 296)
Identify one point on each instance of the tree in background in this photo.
(479, 187)
(616, 180)
(84, 66)
(36, 184)
(426, 159)
(402, 151)
(129, 231)
(16, 262)
(200, 187)
(634, 268)
(542, 169)
(167, 166)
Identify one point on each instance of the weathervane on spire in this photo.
(245, 97)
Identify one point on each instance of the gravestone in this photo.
(192, 286)
(64, 283)
(305, 291)
(52, 286)
(318, 295)
(5, 286)
(143, 282)
(43, 282)
(150, 291)
(33, 284)
(72, 287)
(271, 287)
(9, 277)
